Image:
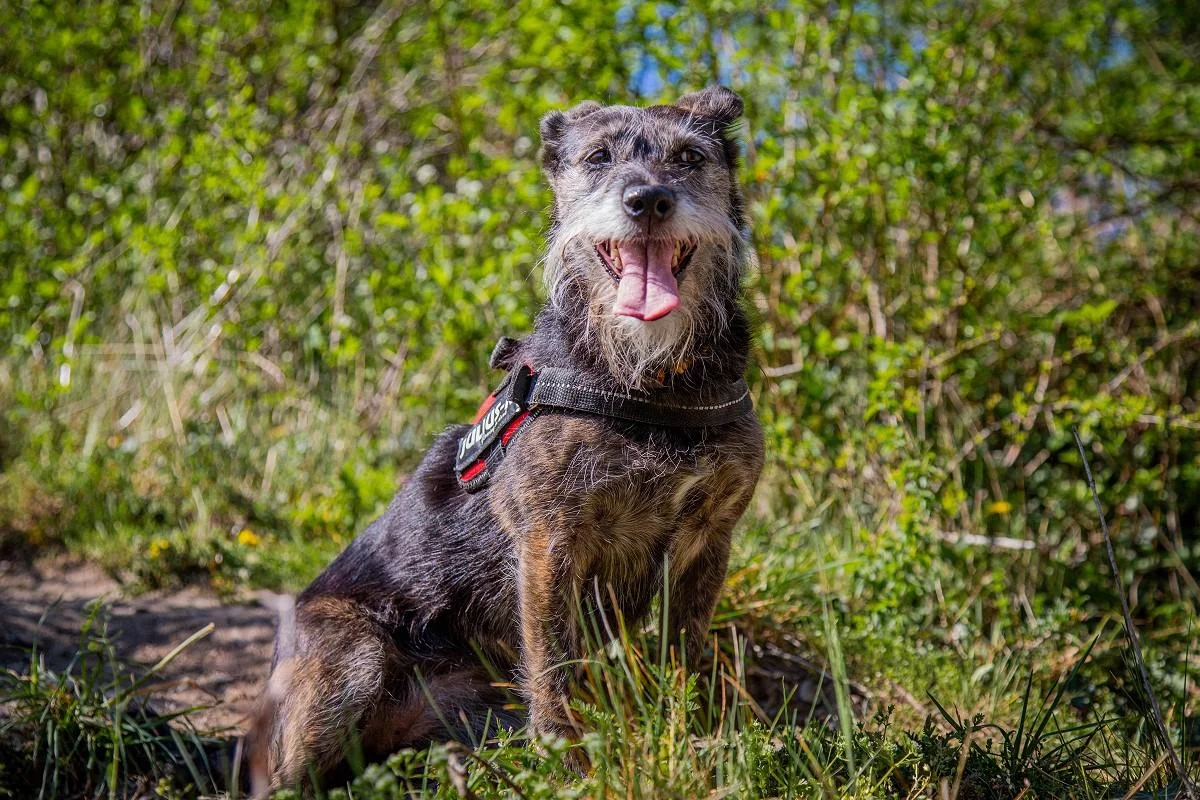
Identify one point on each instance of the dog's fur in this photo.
(389, 642)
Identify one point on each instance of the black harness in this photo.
(525, 394)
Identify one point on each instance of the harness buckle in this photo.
(522, 379)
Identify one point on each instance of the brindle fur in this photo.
(390, 640)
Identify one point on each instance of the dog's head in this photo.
(646, 225)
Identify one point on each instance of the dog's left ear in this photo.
(715, 102)
(552, 127)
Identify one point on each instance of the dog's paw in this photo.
(559, 735)
(559, 740)
(576, 759)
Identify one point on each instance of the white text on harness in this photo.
(484, 428)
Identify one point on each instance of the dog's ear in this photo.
(715, 102)
(504, 354)
(552, 128)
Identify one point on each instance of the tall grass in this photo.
(653, 730)
(90, 729)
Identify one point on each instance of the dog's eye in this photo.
(691, 156)
(599, 156)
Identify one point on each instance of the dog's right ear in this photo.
(552, 128)
(715, 102)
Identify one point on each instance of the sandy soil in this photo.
(46, 602)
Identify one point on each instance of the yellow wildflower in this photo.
(158, 547)
(248, 538)
(999, 507)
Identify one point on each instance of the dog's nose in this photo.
(652, 202)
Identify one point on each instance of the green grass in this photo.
(654, 731)
(940, 674)
(90, 730)
(950, 664)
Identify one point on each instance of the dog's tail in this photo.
(255, 749)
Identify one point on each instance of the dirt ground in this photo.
(46, 602)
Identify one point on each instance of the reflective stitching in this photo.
(650, 403)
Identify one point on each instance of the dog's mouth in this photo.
(646, 272)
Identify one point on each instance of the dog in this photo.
(619, 453)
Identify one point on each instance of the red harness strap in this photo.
(473, 470)
(487, 403)
(509, 431)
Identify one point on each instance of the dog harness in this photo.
(525, 393)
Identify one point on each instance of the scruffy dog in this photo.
(621, 444)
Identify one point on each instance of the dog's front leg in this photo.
(699, 560)
(694, 590)
(548, 589)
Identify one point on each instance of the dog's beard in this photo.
(635, 351)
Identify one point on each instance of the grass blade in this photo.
(1186, 787)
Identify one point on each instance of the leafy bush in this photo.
(228, 225)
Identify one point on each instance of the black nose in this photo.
(653, 202)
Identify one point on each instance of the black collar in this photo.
(554, 387)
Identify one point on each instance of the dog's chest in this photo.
(619, 506)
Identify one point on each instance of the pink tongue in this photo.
(647, 289)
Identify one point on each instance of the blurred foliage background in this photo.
(254, 255)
